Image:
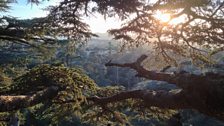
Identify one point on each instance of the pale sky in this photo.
(23, 10)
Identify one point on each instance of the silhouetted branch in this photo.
(177, 99)
(183, 80)
(162, 99)
(142, 72)
(201, 92)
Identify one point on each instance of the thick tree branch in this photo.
(183, 80)
(177, 99)
(9, 103)
(162, 99)
(142, 72)
(201, 92)
(16, 40)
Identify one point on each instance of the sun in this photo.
(163, 17)
(167, 18)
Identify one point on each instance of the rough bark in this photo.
(204, 92)
(9, 103)
(162, 99)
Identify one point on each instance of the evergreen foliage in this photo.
(75, 88)
(55, 92)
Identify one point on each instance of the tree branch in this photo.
(162, 99)
(16, 40)
(142, 72)
(183, 80)
(178, 99)
(201, 92)
(9, 103)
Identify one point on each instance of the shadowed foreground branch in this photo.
(162, 99)
(204, 92)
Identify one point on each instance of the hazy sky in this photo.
(22, 9)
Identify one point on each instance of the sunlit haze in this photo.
(100, 25)
(167, 18)
(163, 17)
(23, 10)
(97, 23)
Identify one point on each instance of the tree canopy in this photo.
(198, 36)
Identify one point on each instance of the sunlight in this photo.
(177, 20)
(167, 18)
(163, 17)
